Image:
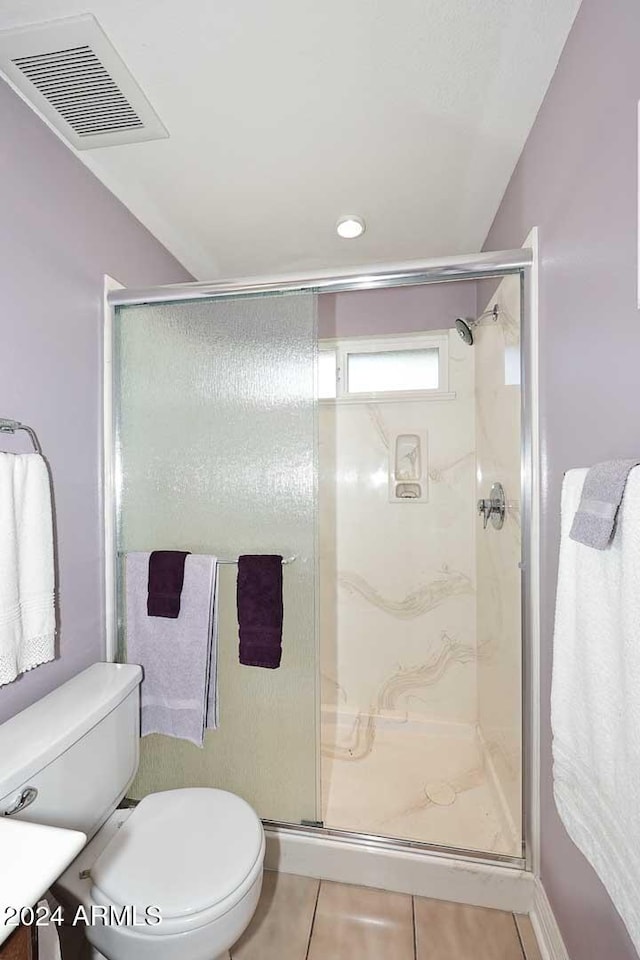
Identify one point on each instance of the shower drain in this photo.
(440, 792)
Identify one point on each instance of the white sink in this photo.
(32, 856)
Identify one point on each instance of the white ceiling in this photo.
(285, 114)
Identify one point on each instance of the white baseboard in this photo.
(401, 870)
(545, 926)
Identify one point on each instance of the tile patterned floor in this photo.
(303, 919)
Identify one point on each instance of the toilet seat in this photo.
(194, 853)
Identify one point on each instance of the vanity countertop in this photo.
(32, 856)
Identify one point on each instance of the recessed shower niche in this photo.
(408, 479)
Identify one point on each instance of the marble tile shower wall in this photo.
(398, 599)
(499, 552)
(419, 610)
(398, 606)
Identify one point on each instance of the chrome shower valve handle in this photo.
(493, 508)
(484, 509)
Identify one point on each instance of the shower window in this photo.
(392, 371)
(402, 366)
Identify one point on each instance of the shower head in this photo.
(465, 326)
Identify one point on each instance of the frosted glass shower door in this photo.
(217, 454)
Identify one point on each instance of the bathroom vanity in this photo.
(21, 945)
(32, 856)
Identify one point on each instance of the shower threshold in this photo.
(397, 844)
(425, 870)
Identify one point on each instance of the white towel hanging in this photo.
(595, 704)
(179, 693)
(27, 610)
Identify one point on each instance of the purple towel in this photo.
(260, 610)
(166, 578)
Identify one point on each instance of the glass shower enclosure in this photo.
(216, 451)
(225, 442)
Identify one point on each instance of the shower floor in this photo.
(411, 780)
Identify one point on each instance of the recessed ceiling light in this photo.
(351, 227)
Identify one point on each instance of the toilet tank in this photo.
(78, 747)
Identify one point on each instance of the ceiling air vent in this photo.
(69, 71)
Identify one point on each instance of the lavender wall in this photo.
(577, 181)
(60, 231)
(358, 313)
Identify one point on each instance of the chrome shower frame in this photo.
(496, 265)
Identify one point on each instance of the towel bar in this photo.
(10, 426)
(285, 560)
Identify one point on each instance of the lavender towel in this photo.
(179, 656)
(260, 610)
(166, 579)
(595, 520)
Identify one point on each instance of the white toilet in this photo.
(193, 855)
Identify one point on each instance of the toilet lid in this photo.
(183, 851)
